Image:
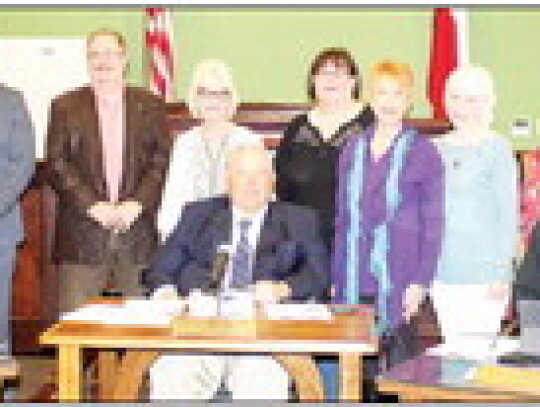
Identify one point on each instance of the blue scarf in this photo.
(378, 262)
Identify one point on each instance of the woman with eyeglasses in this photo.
(197, 163)
(307, 157)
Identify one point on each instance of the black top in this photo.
(306, 165)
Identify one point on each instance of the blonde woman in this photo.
(198, 156)
(481, 213)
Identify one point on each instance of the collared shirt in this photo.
(111, 120)
(254, 232)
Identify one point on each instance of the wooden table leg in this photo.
(130, 373)
(350, 377)
(107, 373)
(69, 373)
(305, 374)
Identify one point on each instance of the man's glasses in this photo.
(106, 54)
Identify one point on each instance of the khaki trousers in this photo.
(79, 282)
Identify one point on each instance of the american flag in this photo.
(160, 51)
(449, 50)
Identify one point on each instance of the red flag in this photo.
(444, 58)
(160, 51)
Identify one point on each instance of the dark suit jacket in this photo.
(527, 281)
(16, 163)
(76, 172)
(290, 249)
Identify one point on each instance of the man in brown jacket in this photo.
(107, 151)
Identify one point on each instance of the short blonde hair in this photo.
(118, 37)
(399, 71)
(207, 73)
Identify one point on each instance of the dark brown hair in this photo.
(340, 57)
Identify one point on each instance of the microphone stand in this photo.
(113, 261)
(219, 267)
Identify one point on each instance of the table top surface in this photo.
(450, 374)
(345, 332)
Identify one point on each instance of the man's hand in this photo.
(271, 291)
(414, 295)
(103, 213)
(127, 213)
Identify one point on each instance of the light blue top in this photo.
(481, 212)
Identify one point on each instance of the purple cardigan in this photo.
(415, 233)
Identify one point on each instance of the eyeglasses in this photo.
(333, 73)
(106, 54)
(469, 99)
(221, 93)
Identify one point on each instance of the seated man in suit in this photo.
(276, 253)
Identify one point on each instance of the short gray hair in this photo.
(238, 152)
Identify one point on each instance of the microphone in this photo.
(219, 267)
(114, 262)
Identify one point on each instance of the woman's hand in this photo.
(414, 294)
(498, 291)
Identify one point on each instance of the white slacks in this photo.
(466, 310)
(198, 376)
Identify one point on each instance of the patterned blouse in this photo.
(306, 165)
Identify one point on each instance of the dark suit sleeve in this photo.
(148, 192)
(173, 256)
(18, 168)
(527, 282)
(312, 278)
(180, 261)
(284, 188)
(63, 174)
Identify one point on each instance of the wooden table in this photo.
(292, 343)
(434, 378)
(9, 369)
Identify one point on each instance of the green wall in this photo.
(506, 41)
(77, 22)
(269, 49)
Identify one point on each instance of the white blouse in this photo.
(196, 171)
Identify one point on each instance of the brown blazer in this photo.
(76, 173)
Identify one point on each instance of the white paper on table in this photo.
(237, 306)
(230, 305)
(307, 311)
(475, 347)
(131, 312)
